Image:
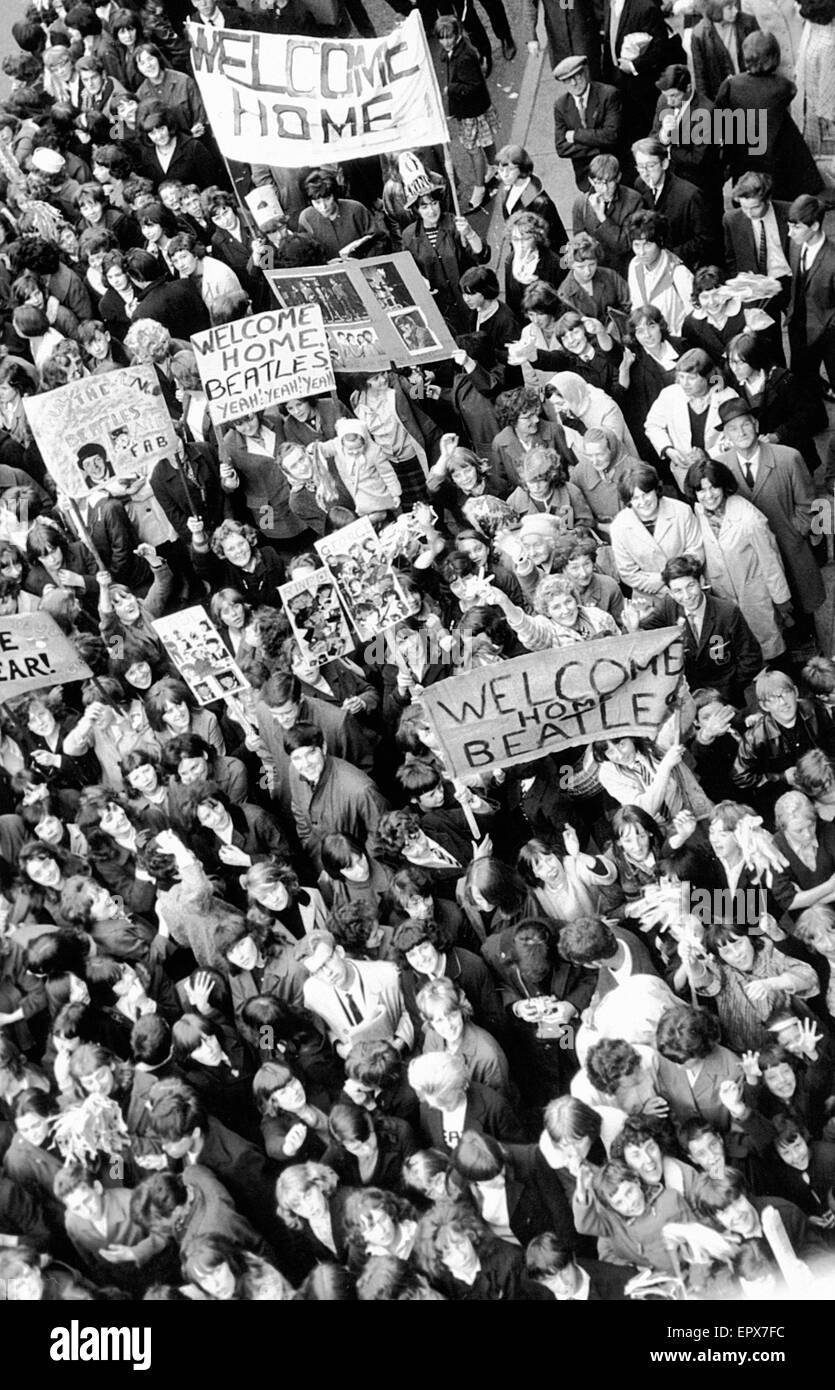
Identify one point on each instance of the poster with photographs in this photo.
(317, 617)
(102, 427)
(376, 312)
(200, 655)
(368, 585)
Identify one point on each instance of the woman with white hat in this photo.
(364, 470)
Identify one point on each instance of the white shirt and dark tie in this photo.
(614, 24)
(750, 468)
(771, 258)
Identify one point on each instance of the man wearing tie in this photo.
(720, 651)
(756, 235)
(587, 118)
(605, 213)
(692, 234)
(811, 313)
(777, 481)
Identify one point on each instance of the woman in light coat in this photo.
(650, 530)
(670, 426)
(579, 406)
(742, 562)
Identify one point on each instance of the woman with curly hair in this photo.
(446, 1015)
(235, 559)
(524, 426)
(401, 841)
(546, 491)
(531, 258)
(377, 1222)
(558, 620)
(456, 1250)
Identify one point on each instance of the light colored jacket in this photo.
(743, 564)
(668, 424)
(641, 557)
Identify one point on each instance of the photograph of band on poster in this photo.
(368, 585)
(317, 617)
(376, 312)
(200, 655)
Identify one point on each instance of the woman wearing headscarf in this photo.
(580, 407)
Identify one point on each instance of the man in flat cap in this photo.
(587, 118)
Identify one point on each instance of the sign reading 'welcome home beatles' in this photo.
(499, 716)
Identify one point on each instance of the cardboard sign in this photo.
(368, 585)
(200, 655)
(34, 653)
(263, 360)
(518, 710)
(376, 312)
(302, 101)
(123, 412)
(317, 617)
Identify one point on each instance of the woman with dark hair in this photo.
(218, 1066)
(230, 838)
(495, 899)
(172, 713)
(367, 1149)
(780, 149)
(694, 1070)
(505, 1189)
(443, 247)
(292, 1128)
(44, 869)
(685, 415)
(719, 315)
(749, 979)
(217, 1270)
(649, 363)
(105, 818)
(400, 840)
(784, 409)
(649, 530)
(525, 426)
(538, 348)
(742, 560)
(350, 873)
(457, 1251)
(565, 882)
(190, 760)
(164, 85)
(523, 192)
(656, 276)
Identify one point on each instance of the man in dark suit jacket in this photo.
(811, 312)
(684, 123)
(720, 651)
(587, 118)
(605, 212)
(756, 237)
(635, 77)
(693, 234)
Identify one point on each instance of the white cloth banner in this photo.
(296, 101)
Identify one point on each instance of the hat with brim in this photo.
(569, 67)
(734, 409)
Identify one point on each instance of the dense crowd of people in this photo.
(286, 1010)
